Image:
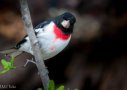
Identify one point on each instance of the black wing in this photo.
(41, 25)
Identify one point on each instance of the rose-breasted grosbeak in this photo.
(53, 36)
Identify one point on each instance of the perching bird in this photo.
(53, 36)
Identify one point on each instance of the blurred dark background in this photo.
(96, 57)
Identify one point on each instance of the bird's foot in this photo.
(38, 44)
(29, 61)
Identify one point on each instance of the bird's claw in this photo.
(38, 44)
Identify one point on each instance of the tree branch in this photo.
(34, 43)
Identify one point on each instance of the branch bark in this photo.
(34, 43)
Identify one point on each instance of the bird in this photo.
(53, 36)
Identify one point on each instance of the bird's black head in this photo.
(65, 22)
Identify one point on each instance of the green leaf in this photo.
(68, 89)
(4, 71)
(76, 89)
(4, 63)
(39, 89)
(60, 88)
(12, 60)
(51, 85)
(7, 65)
(13, 67)
(48, 88)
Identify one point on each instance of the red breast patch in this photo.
(52, 48)
(59, 34)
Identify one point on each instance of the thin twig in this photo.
(34, 43)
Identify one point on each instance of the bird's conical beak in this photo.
(66, 23)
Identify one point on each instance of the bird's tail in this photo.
(11, 52)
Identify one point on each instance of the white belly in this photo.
(51, 48)
(48, 45)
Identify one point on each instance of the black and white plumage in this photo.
(53, 36)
